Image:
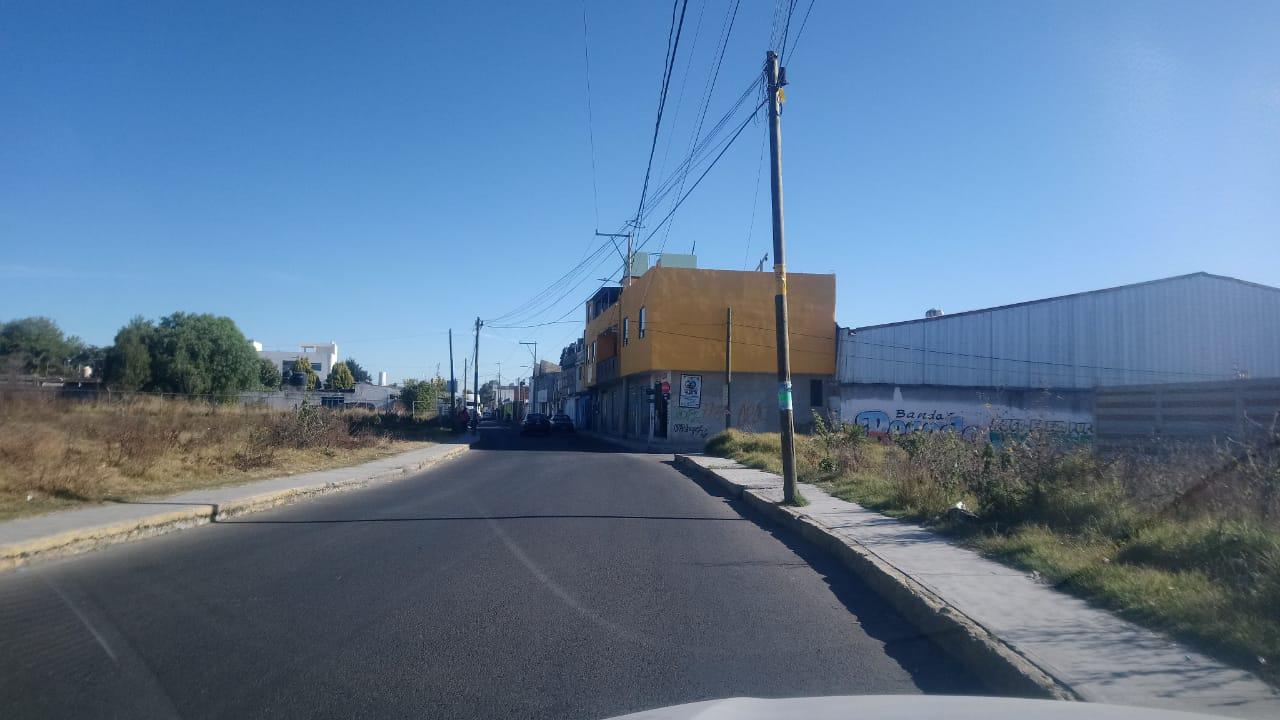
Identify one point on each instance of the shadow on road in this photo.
(486, 518)
(903, 642)
(493, 436)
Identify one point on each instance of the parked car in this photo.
(487, 416)
(535, 424)
(560, 422)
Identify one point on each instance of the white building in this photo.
(322, 356)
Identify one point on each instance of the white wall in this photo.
(972, 412)
(325, 355)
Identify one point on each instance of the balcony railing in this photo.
(607, 369)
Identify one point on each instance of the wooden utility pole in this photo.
(475, 367)
(533, 379)
(453, 383)
(775, 79)
(728, 367)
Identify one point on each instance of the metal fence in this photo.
(1188, 412)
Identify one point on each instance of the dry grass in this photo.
(1186, 541)
(59, 453)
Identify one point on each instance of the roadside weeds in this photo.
(1205, 570)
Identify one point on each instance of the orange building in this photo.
(655, 352)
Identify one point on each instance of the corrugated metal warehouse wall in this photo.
(1209, 411)
(1184, 329)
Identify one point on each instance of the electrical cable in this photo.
(586, 59)
(672, 49)
(788, 52)
(708, 91)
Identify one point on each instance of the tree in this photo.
(202, 354)
(38, 343)
(268, 374)
(340, 378)
(357, 372)
(128, 360)
(419, 395)
(488, 391)
(304, 374)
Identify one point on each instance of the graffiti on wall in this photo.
(690, 422)
(973, 423)
(701, 422)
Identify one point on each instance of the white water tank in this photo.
(382, 378)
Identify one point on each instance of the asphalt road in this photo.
(532, 578)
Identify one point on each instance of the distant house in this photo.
(321, 356)
(377, 397)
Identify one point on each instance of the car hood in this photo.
(903, 707)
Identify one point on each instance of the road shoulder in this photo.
(71, 532)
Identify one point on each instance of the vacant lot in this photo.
(1184, 540)
(57, 453)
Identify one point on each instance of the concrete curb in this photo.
(189, 515)
(1002, 667)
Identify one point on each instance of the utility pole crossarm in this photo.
(626, 261)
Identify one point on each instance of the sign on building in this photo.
(690, 391)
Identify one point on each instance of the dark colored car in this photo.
(561, 422)
(534, 424)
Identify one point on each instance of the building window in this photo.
(315, 366)
(642, 321)
(815, 393)
(626, 331)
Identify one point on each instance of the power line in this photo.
(674, 208)
(537, 304)
(786, 29)
(1031, 362)
(755, 202)
(684, 83)
(703, 176)
(739, 342)
(537, 299)
(800, 32)
(586, 59)
(672, 48)
(534, 325)
(775, 24)
(708, 91)
(703, 147)
(912, 348)
(543, 300)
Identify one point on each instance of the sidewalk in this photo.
(1072, 647)
(74, 531)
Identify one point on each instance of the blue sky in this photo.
(378, 173)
